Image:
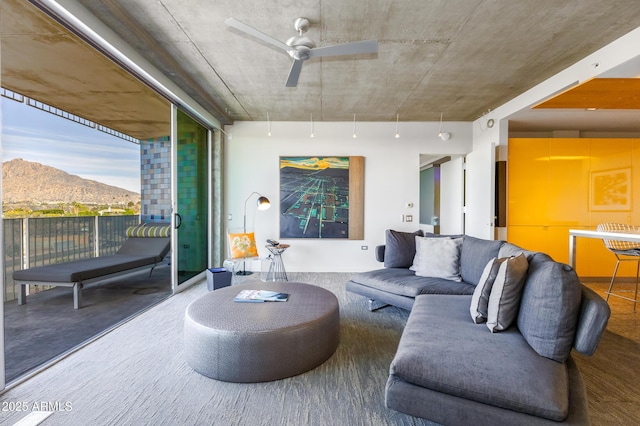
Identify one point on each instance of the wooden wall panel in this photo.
(356, 198)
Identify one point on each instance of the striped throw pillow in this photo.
(146, 231)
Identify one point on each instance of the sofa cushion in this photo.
(400, 248)
(440, 349)
(438, 258)
(404, 282)
(480, 299)
(549, 309)
(474, 256)
(509, 249)
(592, 322)
(506, 293)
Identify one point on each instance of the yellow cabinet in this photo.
(557, 184)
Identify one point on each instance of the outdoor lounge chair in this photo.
(144, 248)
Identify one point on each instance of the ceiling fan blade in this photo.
(355, 48)
(292, 80)
(234, 23)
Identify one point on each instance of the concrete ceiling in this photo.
(45, 62)
(460, 58)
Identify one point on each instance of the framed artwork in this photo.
(610, 190)
(322, 197)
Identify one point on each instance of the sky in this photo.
(44, 138)
(315, 163)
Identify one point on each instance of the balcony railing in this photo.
(31, 242)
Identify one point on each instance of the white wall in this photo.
(391, 181)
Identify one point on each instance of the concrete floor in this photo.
(48, 326)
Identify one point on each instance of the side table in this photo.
(276, 267)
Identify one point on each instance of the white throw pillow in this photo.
(504, 301)
(420, 254)
(480, 299)
(438, 257)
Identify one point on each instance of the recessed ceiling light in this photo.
(591, 109)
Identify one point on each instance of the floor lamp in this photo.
(262, 203)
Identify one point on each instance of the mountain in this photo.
(26, 181)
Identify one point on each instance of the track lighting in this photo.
(268, 125)
(355, 134)
(445, 136)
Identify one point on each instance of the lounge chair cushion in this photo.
(84, 269)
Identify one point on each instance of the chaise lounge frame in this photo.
(141, 251)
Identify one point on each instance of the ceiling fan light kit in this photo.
(301, 47)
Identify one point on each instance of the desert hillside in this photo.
(30, 182)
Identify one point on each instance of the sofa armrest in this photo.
(380, 253)
(594, 315)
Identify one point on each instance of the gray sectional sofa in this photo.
(491, 345)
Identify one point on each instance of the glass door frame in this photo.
(2, 284)
(175, 221)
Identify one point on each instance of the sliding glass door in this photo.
(190, 169)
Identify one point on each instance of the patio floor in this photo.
(48, 326)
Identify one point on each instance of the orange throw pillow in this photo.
(243, 245)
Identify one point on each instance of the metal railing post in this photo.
(26, 250)
(96, 240)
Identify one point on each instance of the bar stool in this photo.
(625, 251)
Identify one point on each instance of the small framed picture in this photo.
(610, 190)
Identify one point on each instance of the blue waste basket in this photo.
(218, 278)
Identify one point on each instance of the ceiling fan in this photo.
(301, 47)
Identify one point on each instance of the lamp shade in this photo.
(263, 203)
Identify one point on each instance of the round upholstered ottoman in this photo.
(259, 342)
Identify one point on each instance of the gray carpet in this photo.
(137, 375)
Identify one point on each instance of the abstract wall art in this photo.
(322, 197)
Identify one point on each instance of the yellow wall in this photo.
(554, 185)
